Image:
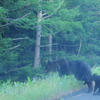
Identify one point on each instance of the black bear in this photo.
(96, 79)
(79, 69)
(59, 66)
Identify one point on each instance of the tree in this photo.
(68, 28)
(38, 41)
(38, 36)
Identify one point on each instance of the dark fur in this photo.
(79, 69)
(96, 79)
(59, 65)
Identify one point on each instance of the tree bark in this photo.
(38, 40)
(79, 46)
(50, 45)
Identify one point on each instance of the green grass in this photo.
(41, 89)
(96, 70)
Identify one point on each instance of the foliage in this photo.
(38, 89)
(96, 69)
(74, 25)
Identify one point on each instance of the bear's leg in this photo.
(98, 91)
(95, 89)
(90, 87)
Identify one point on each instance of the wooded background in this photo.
(35, 31)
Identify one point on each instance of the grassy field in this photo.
(41, 89)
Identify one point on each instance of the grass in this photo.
(96, 70)
(41, 89)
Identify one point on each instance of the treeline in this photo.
(35, 31)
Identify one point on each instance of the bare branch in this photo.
(13, 47)
(9, 19)
(21, 38)
(91, 9)
(44, 14)
(13, 20)
(22, 17)
(59, 5)
(6, 25)
(68, 45)
(48, 45)
(52, 33)
(55, 10)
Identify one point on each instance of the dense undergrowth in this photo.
(40, 89)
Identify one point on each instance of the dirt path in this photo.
(83, 96)
(80, 95)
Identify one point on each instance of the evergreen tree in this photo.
(34, 31)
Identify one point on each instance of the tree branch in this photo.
(91, 9)
(68, 45)
(13, 20)
(13, 10)
(13, 47)
(48, 45)
(55, 10)
(20, 38)
(22, 17)
(52, 33)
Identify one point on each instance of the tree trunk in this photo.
(50, 45)
(79, 46)
(38, 40)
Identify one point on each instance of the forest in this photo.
(32, 32)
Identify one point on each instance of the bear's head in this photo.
(52, 67)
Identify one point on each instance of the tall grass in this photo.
(41, 89)
(96, 69)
